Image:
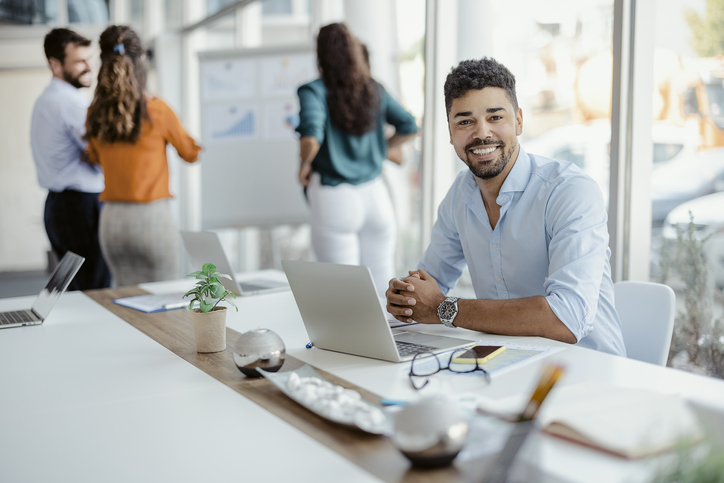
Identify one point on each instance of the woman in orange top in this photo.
(127, 134)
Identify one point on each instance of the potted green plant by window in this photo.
(209, 318)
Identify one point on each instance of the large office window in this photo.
(689, 145)
(687, 182)
(405, 181)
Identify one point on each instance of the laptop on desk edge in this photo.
(205, 247)
(57, 285)
(341, 311)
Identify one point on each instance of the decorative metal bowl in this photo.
(259, 348)
(430, 432)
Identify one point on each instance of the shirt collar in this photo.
(519, 175)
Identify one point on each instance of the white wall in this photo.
(23, 244)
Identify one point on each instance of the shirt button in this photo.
(498, 279)
(495, 245)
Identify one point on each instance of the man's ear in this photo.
(56, 67)
(519, 122)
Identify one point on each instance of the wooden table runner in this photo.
(376, 454)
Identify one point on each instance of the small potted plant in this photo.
(209, 319)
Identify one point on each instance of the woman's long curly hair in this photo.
(119, 104)
(351, 92)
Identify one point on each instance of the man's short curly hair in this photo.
(477, 74)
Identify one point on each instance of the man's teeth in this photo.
(483, 151)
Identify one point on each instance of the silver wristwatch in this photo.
(447, 311)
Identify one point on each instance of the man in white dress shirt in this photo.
(56, 137)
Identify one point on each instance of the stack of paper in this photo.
(154, 302)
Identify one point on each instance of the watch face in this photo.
(448, 310)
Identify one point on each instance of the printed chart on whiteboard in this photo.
(231, 122)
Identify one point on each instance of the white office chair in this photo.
(647, 312)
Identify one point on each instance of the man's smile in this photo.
(483, 151)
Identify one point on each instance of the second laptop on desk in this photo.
(205, 247)
(342, 312)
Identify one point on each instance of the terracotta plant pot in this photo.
(210, 329)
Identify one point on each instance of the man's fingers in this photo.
(400, 299)
(399, 311)
(407, 320)
(400, 285)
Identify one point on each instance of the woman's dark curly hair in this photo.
(475, 75)
(119, 102)
(351, 92)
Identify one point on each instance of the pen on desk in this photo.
(392, 402)
(550, 376)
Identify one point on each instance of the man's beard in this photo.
(74, 81)
(490, 170)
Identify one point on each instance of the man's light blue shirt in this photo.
(551, 240)
(56, 138)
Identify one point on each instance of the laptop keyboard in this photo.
(17, 317)
(408, 348)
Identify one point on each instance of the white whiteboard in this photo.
(249, 109)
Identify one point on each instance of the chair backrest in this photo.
(647, 312)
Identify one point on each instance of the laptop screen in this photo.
(58, 283)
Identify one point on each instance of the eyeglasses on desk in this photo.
(421, 367)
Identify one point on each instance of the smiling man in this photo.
(56, 138)
(531, 230)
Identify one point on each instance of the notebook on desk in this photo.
(205, 247)
(342, 312)
(56, 286)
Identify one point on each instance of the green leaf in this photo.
(206, 305)
(208, 268)
(232, 303)
(195, 274)
(217, 290)
(191, 305)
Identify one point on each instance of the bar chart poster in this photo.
(232, 122)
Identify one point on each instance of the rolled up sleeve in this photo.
(312, 114)
(577, 253)
(175, 134)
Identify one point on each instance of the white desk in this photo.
(86, 397)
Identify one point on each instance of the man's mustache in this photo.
(483, 142)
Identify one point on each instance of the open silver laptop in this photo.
(342, 312)
(56, 286)
(205, 247)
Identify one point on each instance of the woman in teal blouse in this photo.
(342, 148)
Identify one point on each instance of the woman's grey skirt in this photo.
(140, 241)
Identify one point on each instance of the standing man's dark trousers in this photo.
(71, 222)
